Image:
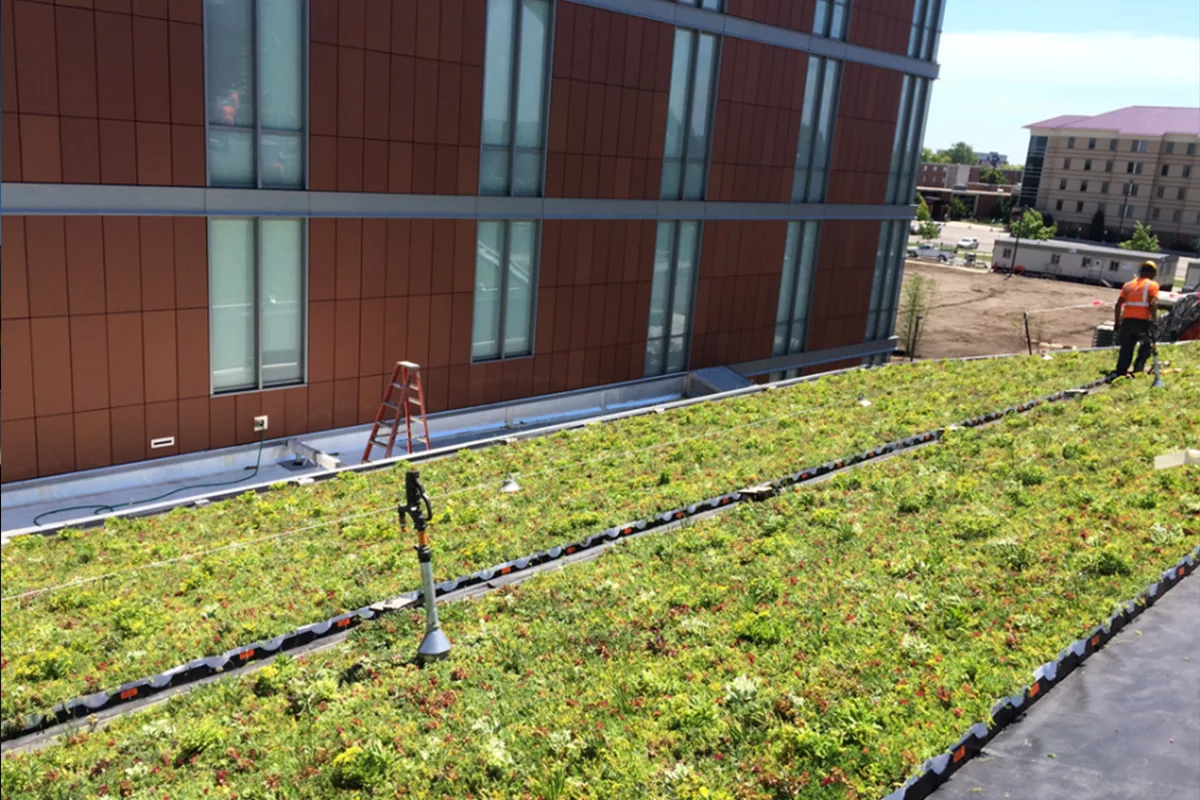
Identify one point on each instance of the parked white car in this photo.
(968, 243)
(930, 251)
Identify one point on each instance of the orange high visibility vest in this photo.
(1138, 294)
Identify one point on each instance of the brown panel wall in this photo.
(396, 94)
(882, 24)
(111, 94)
(842, 284)
(794, 14)
(738, 291)
(608, 104)
(866, 126)
(760, 94)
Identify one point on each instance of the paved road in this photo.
(1125, 726)
(986, 234)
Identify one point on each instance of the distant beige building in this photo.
(1136, 164)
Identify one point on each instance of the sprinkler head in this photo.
(863, 401)
(510, 485)
(434, 647)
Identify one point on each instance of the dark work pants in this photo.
(1131, 333)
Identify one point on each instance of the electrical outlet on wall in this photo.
(260, 424)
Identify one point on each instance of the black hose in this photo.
(98, 509)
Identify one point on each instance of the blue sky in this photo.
(1005, 65)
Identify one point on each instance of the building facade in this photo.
(1098, 176)
(950, 176)
(216, 209)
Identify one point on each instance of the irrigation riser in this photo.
(305, 636)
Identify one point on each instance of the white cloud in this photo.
(993, 83)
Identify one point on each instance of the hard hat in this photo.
(1150, 265)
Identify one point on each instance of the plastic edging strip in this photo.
(209, 666)
(937, 770)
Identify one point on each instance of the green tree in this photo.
(1143, 240)
(961, 153)
(1031, 226)
(928, 230)
(917, 299)
(1096, 232)
(923, 214)
(993, 176)
(930, 157)
(958, 208)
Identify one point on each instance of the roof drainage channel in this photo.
(224, 663)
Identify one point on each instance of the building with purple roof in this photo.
(1099, 175)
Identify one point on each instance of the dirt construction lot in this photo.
(980, 313)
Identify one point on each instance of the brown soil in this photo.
(980, 313)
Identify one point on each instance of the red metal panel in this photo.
(192, 348)
(471, 106)
(425, 101)
(321, 331)
(273, 406)
(159, 355)
(246, 408)
(44, 243)
(461, 324)
(446, 170)
(187, 73)
(41, 157)
(404, 27)
(345, 359)
(50, 342)
(458, 386)
(581, 50)
(114, 66)
(350, 92)
(427, 30)
(322, 259)
(85, 265)
(370, 395)
(351, 27)
(157, 239)
(400, 106)
(417, 330)
(55, 444)
(370, 349)
(377, 93)
(440, 306)
(374, 255)
(424, 169)
(600, 55)
(151, 75)
(635, 35)
(16, 370)
(221, 425)
(320, 406)
(75, 46)
(398, 234)
(162, 420)
(349, 259)
(400, 175)
(20, 450)
(93, 440)
(187, 155)
(8, 49)
(349, 164)
(37, 72)
(420, 263)
(322, 163)
(153, 154)
(80, 150)
(295, 411)
(122, 264)
(14, 290)
(191, 263)
(10, 159)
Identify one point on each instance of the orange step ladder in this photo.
(402, 393)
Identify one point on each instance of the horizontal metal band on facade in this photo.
(90, 199)
(675, 13)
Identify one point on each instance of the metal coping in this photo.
(208, 666)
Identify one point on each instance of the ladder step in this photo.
(414, 401)
(392, 406)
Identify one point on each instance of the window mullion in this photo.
(505, 245)
(258, 279)
(672, 276)
(256, 67)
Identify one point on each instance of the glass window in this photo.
(1091, 144)
(1083, 186)
(1104, 187)
(906, 145)
(1066, 163)
(885, 288)
(1176, 216)
(1187, 170)
(255, 75)
(672, 297)
(1108, 166)
(1087, 164)
(689, 115)
(1166, 168)
(795, 290)
(1079, 207)
(515, 86)
(926, 25)
(1058, 206)
(1071, 143)
(257, 303)
(832, 18)
(1112, 145)
(1154, 214)
(1170, 148)
(505, 286)
(817, 122)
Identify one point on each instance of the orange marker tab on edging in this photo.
(341, 623)
(1096, 640)
(960, 753)
(1033, 690)
(245, 654)
(128, 693)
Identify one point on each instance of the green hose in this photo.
(98, 509)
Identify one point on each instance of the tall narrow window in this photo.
(823, 84)
(795, 289)
(514, 97)
(256, 303)
(926, 25)
(672, 295)
(832, 18)
(906, 145)
(885, 289)
(710, 5)
(689, 115)
(255, 89)
(505, 281)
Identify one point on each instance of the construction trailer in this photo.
(1080, 262)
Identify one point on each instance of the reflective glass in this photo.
(685, 277)
(677, 100)
(535, 22)
(231, 304)
(497, 73)
(493, 170)
(527, 177)
(663, 246)
(518, 298)
(230, 157)
(282, 303)
(229, 76)
(281, 64)
(489, 251)
(282, 159)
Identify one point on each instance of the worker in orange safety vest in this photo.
(1137, 306)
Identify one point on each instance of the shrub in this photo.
(360, 767)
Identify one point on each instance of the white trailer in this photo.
(1077, 261)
